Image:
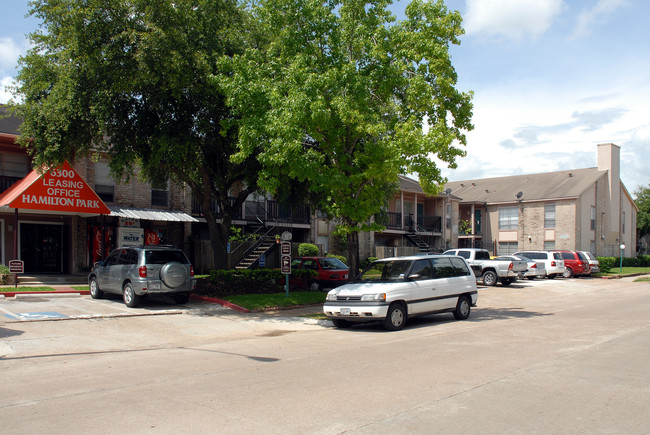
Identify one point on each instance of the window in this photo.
(160, 194)
(13, 165)
(104, 183)
(508, 248)
(423, 269)
(593, 218)
(443, 268)
(549, 216)
(508, 218)
(549, 244)
(460, 267)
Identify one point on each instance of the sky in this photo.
(551, 80)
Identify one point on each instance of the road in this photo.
(562, 356)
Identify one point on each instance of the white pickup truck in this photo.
(488, 270)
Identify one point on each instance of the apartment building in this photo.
(586, 209)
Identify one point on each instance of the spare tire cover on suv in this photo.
(173, 274)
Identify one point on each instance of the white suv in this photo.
(393, 290)
(552, 260)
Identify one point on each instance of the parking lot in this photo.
(552, 356)
(41, 307)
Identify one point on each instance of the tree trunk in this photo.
(353, 254)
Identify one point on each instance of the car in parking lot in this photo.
(536, 268)
(317, 273)
(137, 271)
(576, 264)
(393, 290)
(553, 262)
(594, 264)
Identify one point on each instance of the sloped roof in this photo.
(535, 187)
(8, 123)
(409, 185)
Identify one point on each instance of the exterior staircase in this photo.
(252, 257)
(417, 241)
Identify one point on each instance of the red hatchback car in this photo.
(576, 264)
(330, 272)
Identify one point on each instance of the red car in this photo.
(330, 272)
(576, 264)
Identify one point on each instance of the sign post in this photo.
(285, 263)
(16, 267)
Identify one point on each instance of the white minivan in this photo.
(393, 290)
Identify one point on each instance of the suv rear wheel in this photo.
(129, 296)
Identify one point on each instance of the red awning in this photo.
(60, 190)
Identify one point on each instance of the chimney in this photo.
(609, 159)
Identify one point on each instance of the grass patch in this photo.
(80, 287)
(20, 289)
(646, 279)
(277, 300)
(626, 271)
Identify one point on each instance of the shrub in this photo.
(606, 263)
(365, 263)
(339, 257)
(307, 250)
(244, 281)
(644, 260)
(4, 270)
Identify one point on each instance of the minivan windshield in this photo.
(385, 271)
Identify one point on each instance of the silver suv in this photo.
(136, 271)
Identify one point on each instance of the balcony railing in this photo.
(426, 224)
(262, 211)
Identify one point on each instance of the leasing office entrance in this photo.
(41, 247)
(48, 209)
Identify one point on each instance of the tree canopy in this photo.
(134, 79)
(228, 98)
(643, 217)
(339, 99)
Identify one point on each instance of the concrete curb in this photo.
(220, 302)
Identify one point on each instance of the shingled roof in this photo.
(8, 123)
(535, 187)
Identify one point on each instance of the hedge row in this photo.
(609, 263)
(247, 281)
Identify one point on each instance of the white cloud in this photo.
(5, 95)
(588, 18)
(9, 53)
(512, 19)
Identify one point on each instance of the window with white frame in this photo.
(593, 218)
(549, 216)
(104, 183)
(508, 218)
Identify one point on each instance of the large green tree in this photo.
(135, 79)
(340, 97)
(643, 217)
